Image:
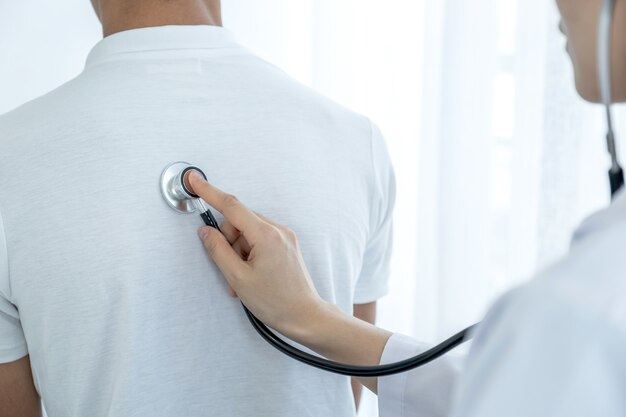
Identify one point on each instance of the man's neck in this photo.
(116, 16)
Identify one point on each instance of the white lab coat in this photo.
(554, 347)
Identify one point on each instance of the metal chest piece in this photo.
(174, 190)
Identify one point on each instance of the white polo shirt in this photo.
(110, 291)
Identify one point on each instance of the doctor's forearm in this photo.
(343, 338)
(274, 283)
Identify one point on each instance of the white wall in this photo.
(42, 45)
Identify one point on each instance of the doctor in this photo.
(553, 347)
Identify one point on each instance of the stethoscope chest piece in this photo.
(174, 190)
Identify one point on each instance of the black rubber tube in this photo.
(342, 368)
(354, 370)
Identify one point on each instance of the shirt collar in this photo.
(161, 38)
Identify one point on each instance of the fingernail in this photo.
(204, 232)
(196, 175)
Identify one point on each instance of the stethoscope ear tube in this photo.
(616, 179)
(605, 25)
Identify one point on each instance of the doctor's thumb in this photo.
(224, 256)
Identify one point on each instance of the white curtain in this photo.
(497, 159)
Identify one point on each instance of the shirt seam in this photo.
(111, 57)
(11, 352)
(377, 186)
(381, 189)
(8, 269)
(374, 291)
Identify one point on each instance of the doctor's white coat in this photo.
(555, 347)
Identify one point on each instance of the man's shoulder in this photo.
(30, 114)
(306, 99)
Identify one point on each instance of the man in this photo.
(108, 307)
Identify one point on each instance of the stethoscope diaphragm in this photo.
(175, 190)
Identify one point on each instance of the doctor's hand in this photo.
(262, 263)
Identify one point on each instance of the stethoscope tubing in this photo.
(342, 368)
(356, 370)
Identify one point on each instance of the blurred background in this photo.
(497, 159)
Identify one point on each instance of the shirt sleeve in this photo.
(536, 356)
(425, 391)
(372, 282)
(12, 341)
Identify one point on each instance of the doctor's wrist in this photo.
(319, 320)
(340, 337)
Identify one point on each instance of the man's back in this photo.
(122, 312)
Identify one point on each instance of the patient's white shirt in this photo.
(110, 291)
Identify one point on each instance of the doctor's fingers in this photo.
(233, 210)
(289, 233)
(242, 248)
(225, 257)
(230, 232)
(265, 219)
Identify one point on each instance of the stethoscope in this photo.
(616, 174)
(178, 196)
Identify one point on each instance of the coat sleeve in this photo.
(424, 392)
